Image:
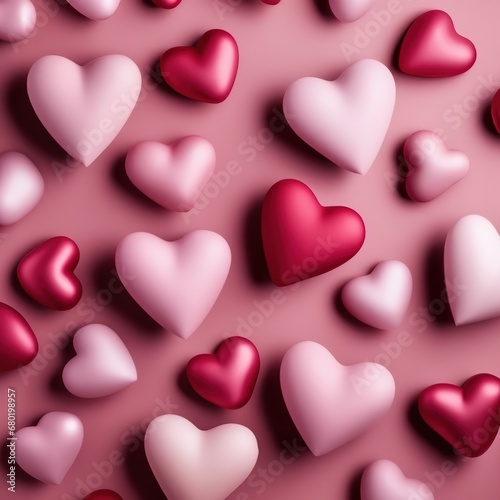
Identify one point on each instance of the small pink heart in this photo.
(330, 403)
(350, 10)
(102, 365)
(48, 450)
(172, 175)
(17, 19)
(433, 167)
(381, 298)
(383, 480)
(95, 9)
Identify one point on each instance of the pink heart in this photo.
(95, 9)
(350, 10)
(330, 403)
(433, 167)
(102, 365)
(21, 187)
(472, 270)
(175, 282)
(172, 175)
(381, 298)
(345, 120)
(383, 480)
(84, 107)
(17, 19)
(48, 450)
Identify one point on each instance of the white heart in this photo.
(191, 464)
(345, 120)
(17, 19)
(350, 10)
(95, 9)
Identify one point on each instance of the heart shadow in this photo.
(402, 172)
(323, 7)
(355, 485)
(487, 120)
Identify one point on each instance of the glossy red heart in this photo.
(301, 238)
(227, 377)
(103, 495)
(47, 273)
(495, 110)
(432, 48)
(166, 4)
(18, 343)
(271, 2)
(467, 417)
(205, 72)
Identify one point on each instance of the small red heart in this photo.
(432, 47)
(301, 238)
(103, 495)
(271, 2)
(47, 273)
(205, 72)
(226, 378)
(495, 110)
(467, 417)
(18, 343)
(166, 4)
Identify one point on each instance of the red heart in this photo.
(166, 4)
(205, 72)
(46, 273)
(18, 343)
(271, 2)
(432, 47)
(226, 378)
(495, 110)
(301, 238)
(467, 417)
(103, 495)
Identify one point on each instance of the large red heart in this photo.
(301, 238)
(467, 417)
(18, 343)
(47, 273)
(205, 72)
(226, 378)
(103, 495)
(432, 48)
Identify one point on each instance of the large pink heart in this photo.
(17, 19)
(345, 120)
(95, 9)
(175, 282)
(330, 403)
(84, 107)
(172, 175)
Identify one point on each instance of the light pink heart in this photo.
(350, 10)
(172, 175)
(330, 403)
(345, 120)
(381, 298)
(47, 451)
(95, 9)
(21, 187)
(433, 168)
(383, 480)
(472, 270)
(102, 365)
(84, 107)
(175, 282)
(17, 19)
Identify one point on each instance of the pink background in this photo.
(97, 207)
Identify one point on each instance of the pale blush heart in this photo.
(102, 365)
(383, 480)
(47, 451)
(381, 298)
(331, 404)
(345, 120)
(172, 175)
(175, 282)
(17, 19)
(350, 10)
(21, 187)
(433, 168)
(191, 464)
(472, 270)
(432, 48)
(84, 107)
(95, 9)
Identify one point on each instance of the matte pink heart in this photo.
(84, 107)
(47, 451)
(383, 480)
(17, 19)
(95, 9)
(381, 298)
(330, 403)
(350, 10)
(172, 175)
(102, 365)
(175, 282)
(433, 168)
